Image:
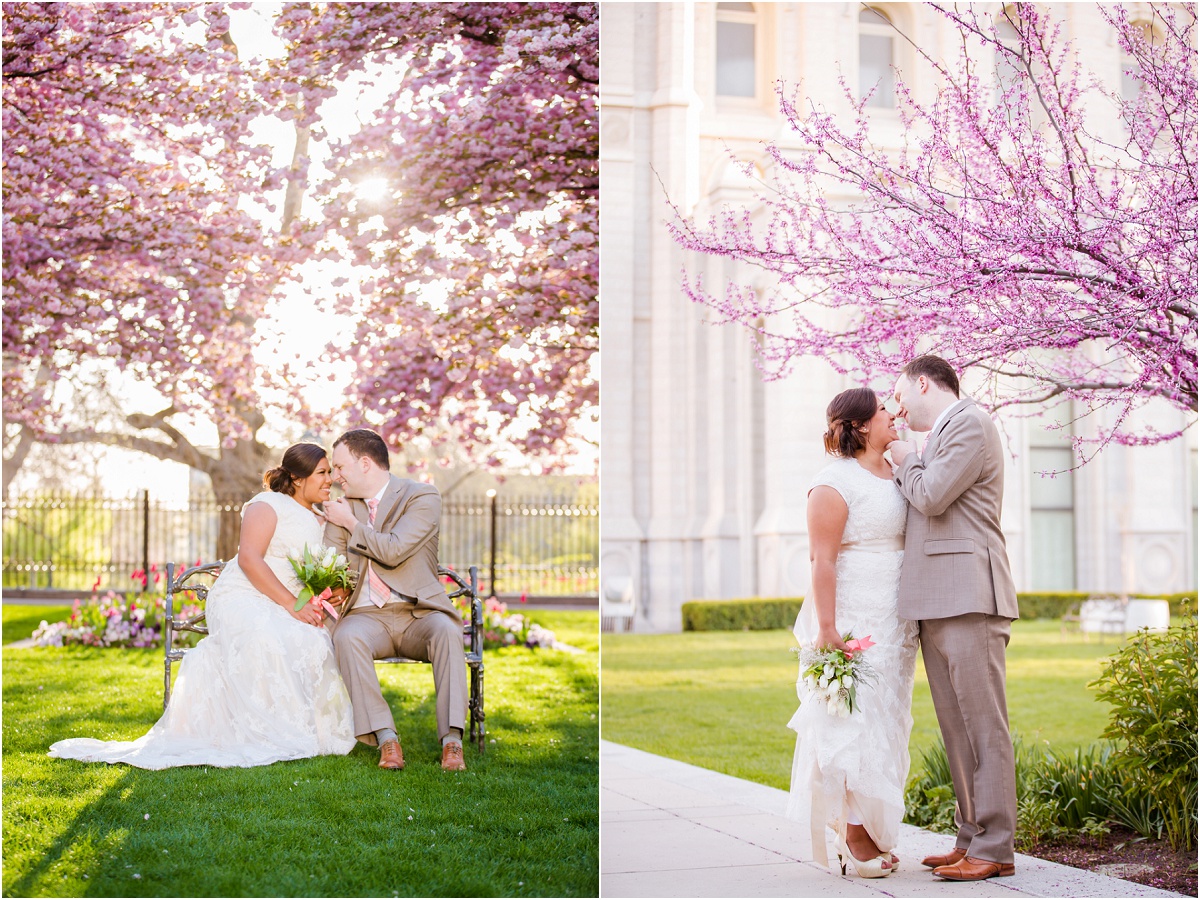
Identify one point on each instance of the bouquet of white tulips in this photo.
(834, 675)
(319, 574)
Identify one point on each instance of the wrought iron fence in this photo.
(522, 545)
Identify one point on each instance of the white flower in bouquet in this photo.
(834, 675)
(319, 573)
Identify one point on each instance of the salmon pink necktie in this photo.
(378, 591)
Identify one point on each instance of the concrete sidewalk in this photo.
(669, 829)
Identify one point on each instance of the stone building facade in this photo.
(705, 467)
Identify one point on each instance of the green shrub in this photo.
(1049, 604)
(1056, 794)
(1079, 785)
(764, 613)
(749, 614)
(1182, 604)
(929, 795)
(1151, 684)
(1055, 604)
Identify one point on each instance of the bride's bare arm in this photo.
(827, 514)
(258, 527)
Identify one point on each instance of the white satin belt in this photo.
(875, 545)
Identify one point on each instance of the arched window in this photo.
(736, 64)
(876, 58)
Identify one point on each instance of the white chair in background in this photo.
(1102, 615)
(617, 604)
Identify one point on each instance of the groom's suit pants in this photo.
(369, 633)
(964, 660)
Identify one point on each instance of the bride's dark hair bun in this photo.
(299, 461)
(279, 480)
(846, 413)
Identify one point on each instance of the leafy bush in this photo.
(1182, 604)
(1049, 604)
(1057, 794)
(1056, 604)
(929, 796)
(764, 613)
(1151, 684)
(1079, 785)
(749, 614)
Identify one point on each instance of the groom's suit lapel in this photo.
(931, 441)
(388, 502)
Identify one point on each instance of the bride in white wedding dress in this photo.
(263, 686)
(849, 773)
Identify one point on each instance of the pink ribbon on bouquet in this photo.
(860, 643)
(323, 599)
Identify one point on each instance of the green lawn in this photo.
(522, 821)
(21, 620)
(722, 699)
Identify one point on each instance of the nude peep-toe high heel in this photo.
(869, 868)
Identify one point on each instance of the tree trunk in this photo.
(12, 465)
(237, 477)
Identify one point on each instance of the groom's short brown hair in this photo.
(935, 369)
(364, 442)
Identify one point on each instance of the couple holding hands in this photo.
(270, 682)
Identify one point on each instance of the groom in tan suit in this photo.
(388, 529)
(956, 583)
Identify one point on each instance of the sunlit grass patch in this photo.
(522, 821)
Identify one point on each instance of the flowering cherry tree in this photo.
(126, 244)
(470, 196)
(1009, 232)
(135, 238)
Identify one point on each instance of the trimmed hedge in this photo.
(1183, 604)
(766, 613)
(747, 614)
(1055, 604)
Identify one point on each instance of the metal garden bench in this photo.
(191, 581)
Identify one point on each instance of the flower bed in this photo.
(115, 620)
(504, 629)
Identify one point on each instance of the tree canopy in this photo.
(1032, 222)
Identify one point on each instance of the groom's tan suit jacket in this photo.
(954, 554)
(402, 545)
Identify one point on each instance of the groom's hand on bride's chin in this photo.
(900, 449)
(338, 512)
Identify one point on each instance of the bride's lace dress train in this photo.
(858, 765)
(262, 687)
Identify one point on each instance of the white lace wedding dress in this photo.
(262, 687)
(865, 754)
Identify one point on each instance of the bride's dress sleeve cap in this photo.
(832, 476)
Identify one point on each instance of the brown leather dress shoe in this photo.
(971, 869)
(944, 859)
(452, 758)
(391, 756)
